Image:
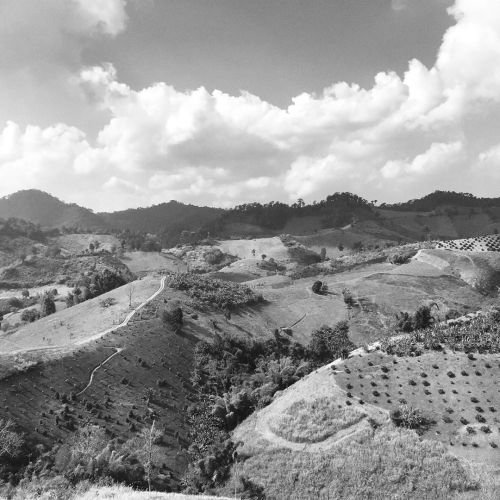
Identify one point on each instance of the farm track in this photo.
(97, 336)
(118, 350)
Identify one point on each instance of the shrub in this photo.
(348, 298)
(316, 287)
(214, 256)
(173, 317)
(408, 417)
(30, 315)
(319, 287)
(10, 441)
(400, 257)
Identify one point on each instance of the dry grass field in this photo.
(77, 324)
(77, 243)
(142, 262)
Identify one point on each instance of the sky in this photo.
(114, 104)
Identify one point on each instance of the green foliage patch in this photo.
(209, 292)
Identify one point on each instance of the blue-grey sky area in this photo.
(120, 103)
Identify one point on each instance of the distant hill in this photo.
(165, 216)
(48, 211)
(440, 199)
(441, 215)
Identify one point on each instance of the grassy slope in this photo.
(73, 325)
(124, 493)
(139, 262)
(380, 291)
(77, 243)
(361, 461)
(150, 352)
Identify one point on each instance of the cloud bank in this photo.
(405, 136)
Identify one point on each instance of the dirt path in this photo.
(86, 340)
(129, 316)
(117, 351)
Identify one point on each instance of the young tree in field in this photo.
(10, 441)
(148, 452)
(130, 296)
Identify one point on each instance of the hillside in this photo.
(47, 211)
(437, 215)
(169, 218)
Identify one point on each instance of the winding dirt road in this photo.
(129, 316)
(117, 351)
(86, 340)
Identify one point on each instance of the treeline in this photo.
(98, 283)
(442, 198)
(15, 228)
(336, 209)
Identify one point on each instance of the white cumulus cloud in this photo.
(402, 137)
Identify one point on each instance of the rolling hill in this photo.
(47, 211)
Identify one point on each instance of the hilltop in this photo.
(47, 211)
(341, 218)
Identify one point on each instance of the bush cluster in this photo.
(208, 292)
(481, 334)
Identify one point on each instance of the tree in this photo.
(328, 344)
(91, 247)
(263, 256)
(148, 452)
(340, 247)
(130, 296)
(423, 318)
(48, 305)
(173, 317)
(25, 293)
(10, 441)
(323, 254)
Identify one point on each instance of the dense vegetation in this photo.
(481, 334)
(95, 284)
(336, 209)
(207, 292)
(439, 199)
(233, 377)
